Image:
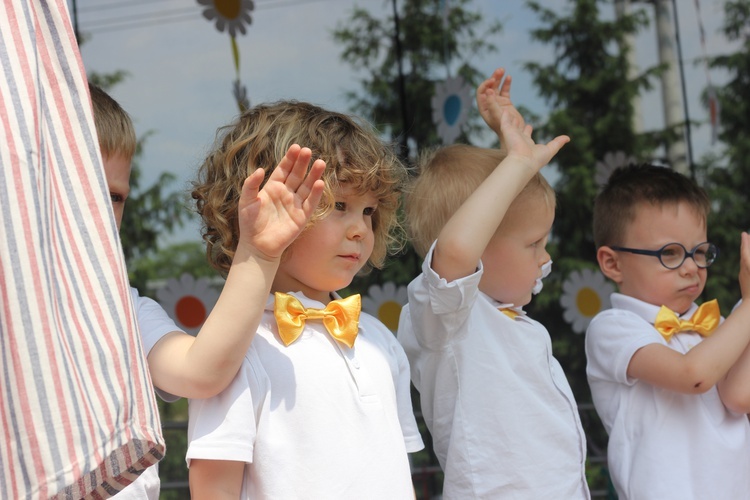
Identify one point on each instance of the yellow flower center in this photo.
(388, 313)
(190, 311)
(229, 9)
(588, 302)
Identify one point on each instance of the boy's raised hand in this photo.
(271, 218)
(493, 100)
(521, 148)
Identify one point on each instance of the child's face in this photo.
(642, 276)
(514, 256)
(327, 256)
(117, 171)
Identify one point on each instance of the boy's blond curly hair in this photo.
(260, 137)
(447, 176)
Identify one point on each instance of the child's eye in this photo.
(369, 211)
(339, 205)
(116, 198)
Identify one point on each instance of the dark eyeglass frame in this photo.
(685, 255)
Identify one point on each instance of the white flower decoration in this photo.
(585, 294)
(230, 15)
(610, 163)
(188, 301)
(450, 107)
(385, 303)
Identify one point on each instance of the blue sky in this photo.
(181, 69)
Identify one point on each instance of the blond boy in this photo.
(503, 419)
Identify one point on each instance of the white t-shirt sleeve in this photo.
(612, 338)
(153, 323)
(409, 428)
(224, 427)
(439, 310)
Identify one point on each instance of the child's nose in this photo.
(357, 227)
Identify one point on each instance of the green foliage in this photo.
(727, 175)
(426, 47)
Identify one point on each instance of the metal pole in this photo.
(404, 146)
(684, 91)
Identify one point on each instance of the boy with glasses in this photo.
(669, 379)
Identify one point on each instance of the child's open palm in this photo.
(516, 135)
(493, 100)
(271, 218)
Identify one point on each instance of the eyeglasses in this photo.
(673, 255)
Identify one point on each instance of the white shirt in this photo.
(503, 419)
(153, 323)
(662, 444)
(314, 419)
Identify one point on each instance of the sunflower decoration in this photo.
(188, 301)
(610, 163)
(585, 294)
(229, 15)
(450, 107)
(385, 303)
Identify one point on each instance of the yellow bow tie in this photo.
(704, 320)
(509, 312)
(340, 317)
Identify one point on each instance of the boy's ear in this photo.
(609, 263)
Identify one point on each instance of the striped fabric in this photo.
(77, 414)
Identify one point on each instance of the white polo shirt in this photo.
(315, 419)
(501, 413)
(662, 444)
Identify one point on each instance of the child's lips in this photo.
(352, 256)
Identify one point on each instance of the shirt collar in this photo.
(643, 309)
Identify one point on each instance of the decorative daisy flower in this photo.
(240, 95)
(450, 107)
(230, 15)
(585, 293)
(609, 164)
(188, 301)
(385, 303)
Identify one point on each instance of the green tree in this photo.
(727, 175)
(426, 47)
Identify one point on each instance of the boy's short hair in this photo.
(630, 186)
(354, 153)
(446, 178)
(113, 125)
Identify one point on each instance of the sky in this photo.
(180, 67)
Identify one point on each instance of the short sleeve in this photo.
(412, 437)
(612, 338)
(439, 309)
(224, 427)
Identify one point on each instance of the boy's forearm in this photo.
(203, 366)
(465, 236)
(719, 354)
(734, 389)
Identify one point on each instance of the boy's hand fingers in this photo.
(251, 186)
(286, 164)
(556, 144)
(316, 171)
(298, 170)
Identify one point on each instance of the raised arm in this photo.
(713, 361)
(270, 219)
(465, 236)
